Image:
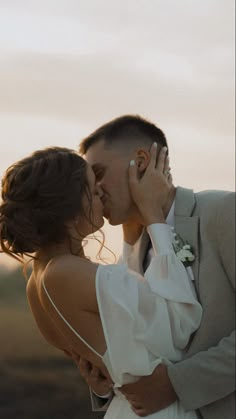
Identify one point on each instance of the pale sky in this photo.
(67, 66)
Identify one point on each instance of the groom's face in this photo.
(110, 166)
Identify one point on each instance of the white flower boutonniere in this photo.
(183, 250)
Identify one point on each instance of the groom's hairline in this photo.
(138, 129)
(115, 143)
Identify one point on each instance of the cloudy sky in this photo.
(67, 66)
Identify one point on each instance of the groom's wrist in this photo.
(155, 218)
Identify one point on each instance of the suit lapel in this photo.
(186, 225)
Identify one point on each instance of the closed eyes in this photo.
(99, 173)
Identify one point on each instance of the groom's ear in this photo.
(142, 159)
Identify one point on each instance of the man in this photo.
(204, 380)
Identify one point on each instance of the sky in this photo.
(68, 66)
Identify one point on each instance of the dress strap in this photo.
(68, 324)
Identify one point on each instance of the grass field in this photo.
(36, 381)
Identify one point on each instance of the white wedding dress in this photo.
(146, 320)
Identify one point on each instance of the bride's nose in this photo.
(99, 191)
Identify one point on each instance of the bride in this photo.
(121, 322)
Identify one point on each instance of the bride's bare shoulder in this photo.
(69, 275)
(69, 266)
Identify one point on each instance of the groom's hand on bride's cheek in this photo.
(150, 394)
(95, 379)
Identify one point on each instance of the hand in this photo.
(93, 376)
(131, 232)
(150, 394)
(151, 192)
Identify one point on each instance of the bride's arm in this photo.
(68, 296)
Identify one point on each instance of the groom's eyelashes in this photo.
(99, 172)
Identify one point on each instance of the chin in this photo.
(114, 218)
(114, 221)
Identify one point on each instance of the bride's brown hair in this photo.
(39, 194)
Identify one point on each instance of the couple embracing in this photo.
(153, 335)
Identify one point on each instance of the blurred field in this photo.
(36, 381)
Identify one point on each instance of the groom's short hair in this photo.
(127, 128)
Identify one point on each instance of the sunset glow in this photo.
(66, 67)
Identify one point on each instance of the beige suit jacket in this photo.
(205, 379)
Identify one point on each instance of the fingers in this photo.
(139, 411)
(158, 160)
(84, 367)
(87, 370)
(153, 159)
(95, 373)
(129, 389)
(161, 163)
(166, 165)
(136, 405)
(169, 178)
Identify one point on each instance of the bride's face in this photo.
(93, 207)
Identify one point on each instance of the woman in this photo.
(121, 322)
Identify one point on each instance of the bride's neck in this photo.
(49, 252)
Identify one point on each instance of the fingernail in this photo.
(155, 144)
(132, 163)
(165, 149)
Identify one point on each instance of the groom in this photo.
(204, 380)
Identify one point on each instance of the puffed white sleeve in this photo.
(168, 278)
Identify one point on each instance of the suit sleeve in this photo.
(209, 375)
(197, 383)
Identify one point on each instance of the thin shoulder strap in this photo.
(68, 324)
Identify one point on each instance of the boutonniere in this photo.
(183, 250)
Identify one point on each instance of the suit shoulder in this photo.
(214, 200)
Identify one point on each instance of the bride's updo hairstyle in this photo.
(40, 194)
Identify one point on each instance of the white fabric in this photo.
(146, 321)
